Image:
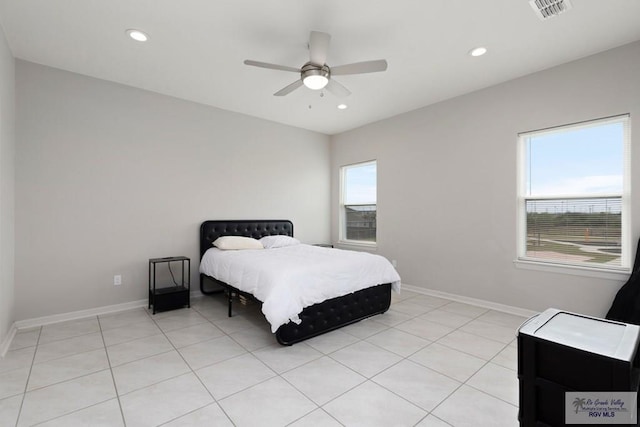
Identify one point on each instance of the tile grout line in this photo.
(220, 361)
(321, 407)
(468, 385)
(24, 394)
(225, 334)
(486, 362)
(113, 378)
(64, 381)
(64, 357)
(280, 375)
(67, 338)
(192, 372)
(369, 379)
(251, 352)
(406, 358)
(461, 383)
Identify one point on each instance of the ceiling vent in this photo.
(546, 9)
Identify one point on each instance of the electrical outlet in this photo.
(117, 280)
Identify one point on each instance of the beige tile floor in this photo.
(426, 362)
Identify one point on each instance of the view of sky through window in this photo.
(360, 184)
(586, 161)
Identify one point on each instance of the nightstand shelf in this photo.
(173, 296)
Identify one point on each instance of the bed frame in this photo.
(316, 319)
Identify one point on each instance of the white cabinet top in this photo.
(600, 336)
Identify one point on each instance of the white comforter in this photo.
(291, 278)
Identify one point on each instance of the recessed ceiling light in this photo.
(343, 107)
(478, 51)
(137, 35)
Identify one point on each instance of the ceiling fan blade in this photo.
(288, 89)
(360, 67)
(337, 89)
(318, 47)
(271, 66)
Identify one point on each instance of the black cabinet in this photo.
(560, 352)
(174, 295)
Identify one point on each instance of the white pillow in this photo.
(272, 242)
(237, 242)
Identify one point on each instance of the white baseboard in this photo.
(55, 318)
(6, 343)
(47, 320)
(472, 301)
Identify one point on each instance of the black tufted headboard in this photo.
(211, 230)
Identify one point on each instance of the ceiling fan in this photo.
(316, 74)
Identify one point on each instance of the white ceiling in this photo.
(197, 47)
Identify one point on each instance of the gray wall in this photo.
(7, 160)
(108, 176)
(447, 181)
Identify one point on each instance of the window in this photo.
(573, 195)
(358, 203)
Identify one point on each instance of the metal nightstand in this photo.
(170, 297)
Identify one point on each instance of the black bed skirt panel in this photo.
(336, 313)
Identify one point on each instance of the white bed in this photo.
(288, 279)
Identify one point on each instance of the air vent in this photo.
(546, 9)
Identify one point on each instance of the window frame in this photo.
(567, 267)
(342, 229)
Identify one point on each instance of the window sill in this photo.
(600, 273)
(371, 246)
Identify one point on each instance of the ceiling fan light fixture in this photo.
(313, 77)
(315, 82)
